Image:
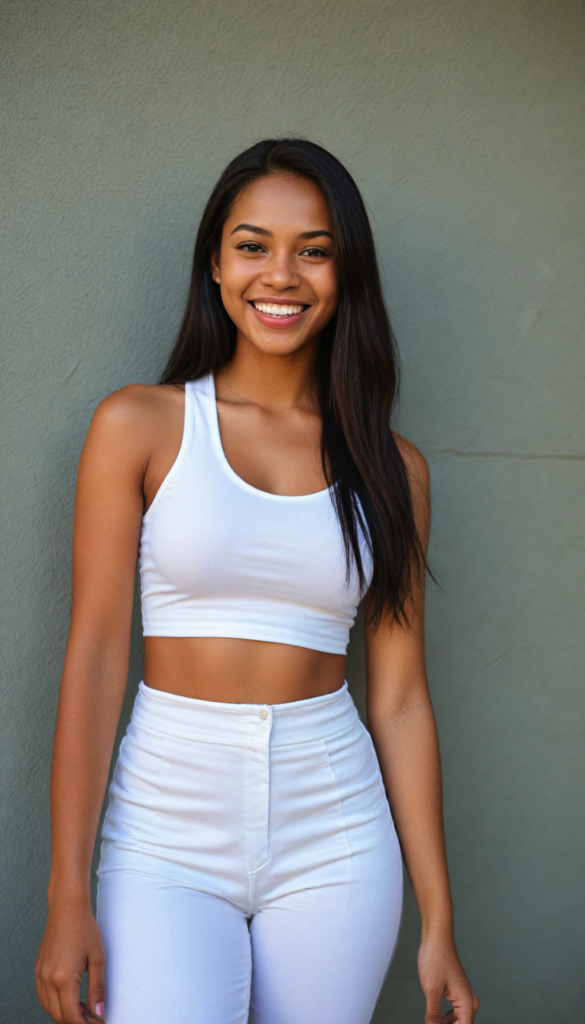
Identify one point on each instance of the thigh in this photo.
(322, 954)
(174, 955)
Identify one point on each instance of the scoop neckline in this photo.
(222, 458)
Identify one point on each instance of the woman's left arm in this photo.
(402, 725)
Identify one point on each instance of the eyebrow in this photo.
(262, 231)
(315, 234)
(251, 227)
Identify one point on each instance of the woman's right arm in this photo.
(108, 513)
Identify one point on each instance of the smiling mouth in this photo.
(278, 309)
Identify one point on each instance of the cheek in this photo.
(327, 289)
(234, 282)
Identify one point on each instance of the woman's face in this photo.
(276, 267)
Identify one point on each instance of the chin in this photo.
(279, 346)
(275, 344)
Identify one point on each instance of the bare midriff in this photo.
(239, 671)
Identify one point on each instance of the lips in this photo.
(278, 308)
(278, 314)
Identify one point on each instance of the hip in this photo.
(215, 795)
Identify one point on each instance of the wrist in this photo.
(442, 943)
(70, 890)
(439, 930)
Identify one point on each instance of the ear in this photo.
(215, 266)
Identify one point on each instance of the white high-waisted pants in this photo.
(250, 869)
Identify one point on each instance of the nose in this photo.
(280, 273)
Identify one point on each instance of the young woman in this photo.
(250, 866)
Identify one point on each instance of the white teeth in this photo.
(277, 309)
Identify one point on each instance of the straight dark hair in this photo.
(357, 366)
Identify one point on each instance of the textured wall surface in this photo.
(463, 124)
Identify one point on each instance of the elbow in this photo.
(400, 710)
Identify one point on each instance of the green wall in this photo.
(463, 124)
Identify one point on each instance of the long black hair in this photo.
(357, 365)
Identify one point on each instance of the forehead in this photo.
(279, 202)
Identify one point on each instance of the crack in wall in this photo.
(504, 455)
(497, 657)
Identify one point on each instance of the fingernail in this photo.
(99, 1009)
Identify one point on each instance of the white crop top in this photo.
(219, 557)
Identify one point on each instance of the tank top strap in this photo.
(188, 424)
(198, 415)
(182, 454)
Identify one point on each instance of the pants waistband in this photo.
(298, 721)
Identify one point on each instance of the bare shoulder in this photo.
(130, 427)
(416, 464)
(138, 404)
(137, 411)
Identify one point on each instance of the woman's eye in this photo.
(314, 251)
(250, 247)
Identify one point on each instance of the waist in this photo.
(300, 721)
(231, 670)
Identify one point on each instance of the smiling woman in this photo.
(270, 256)
(251, 850)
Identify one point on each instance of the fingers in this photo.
(462, 1013)
(71, 945)
(60, 999)
(40, 991)
(465, 1014)
(89, 1017)
(96, 991)
(71, 1009)
(53, 1005)
(433, 1014)
(48, 997)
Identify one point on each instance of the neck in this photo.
(275, 380)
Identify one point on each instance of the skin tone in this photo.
(278, 248)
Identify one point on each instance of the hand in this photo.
(72, 943)
(441, 975)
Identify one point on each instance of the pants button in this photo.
(263, 714)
